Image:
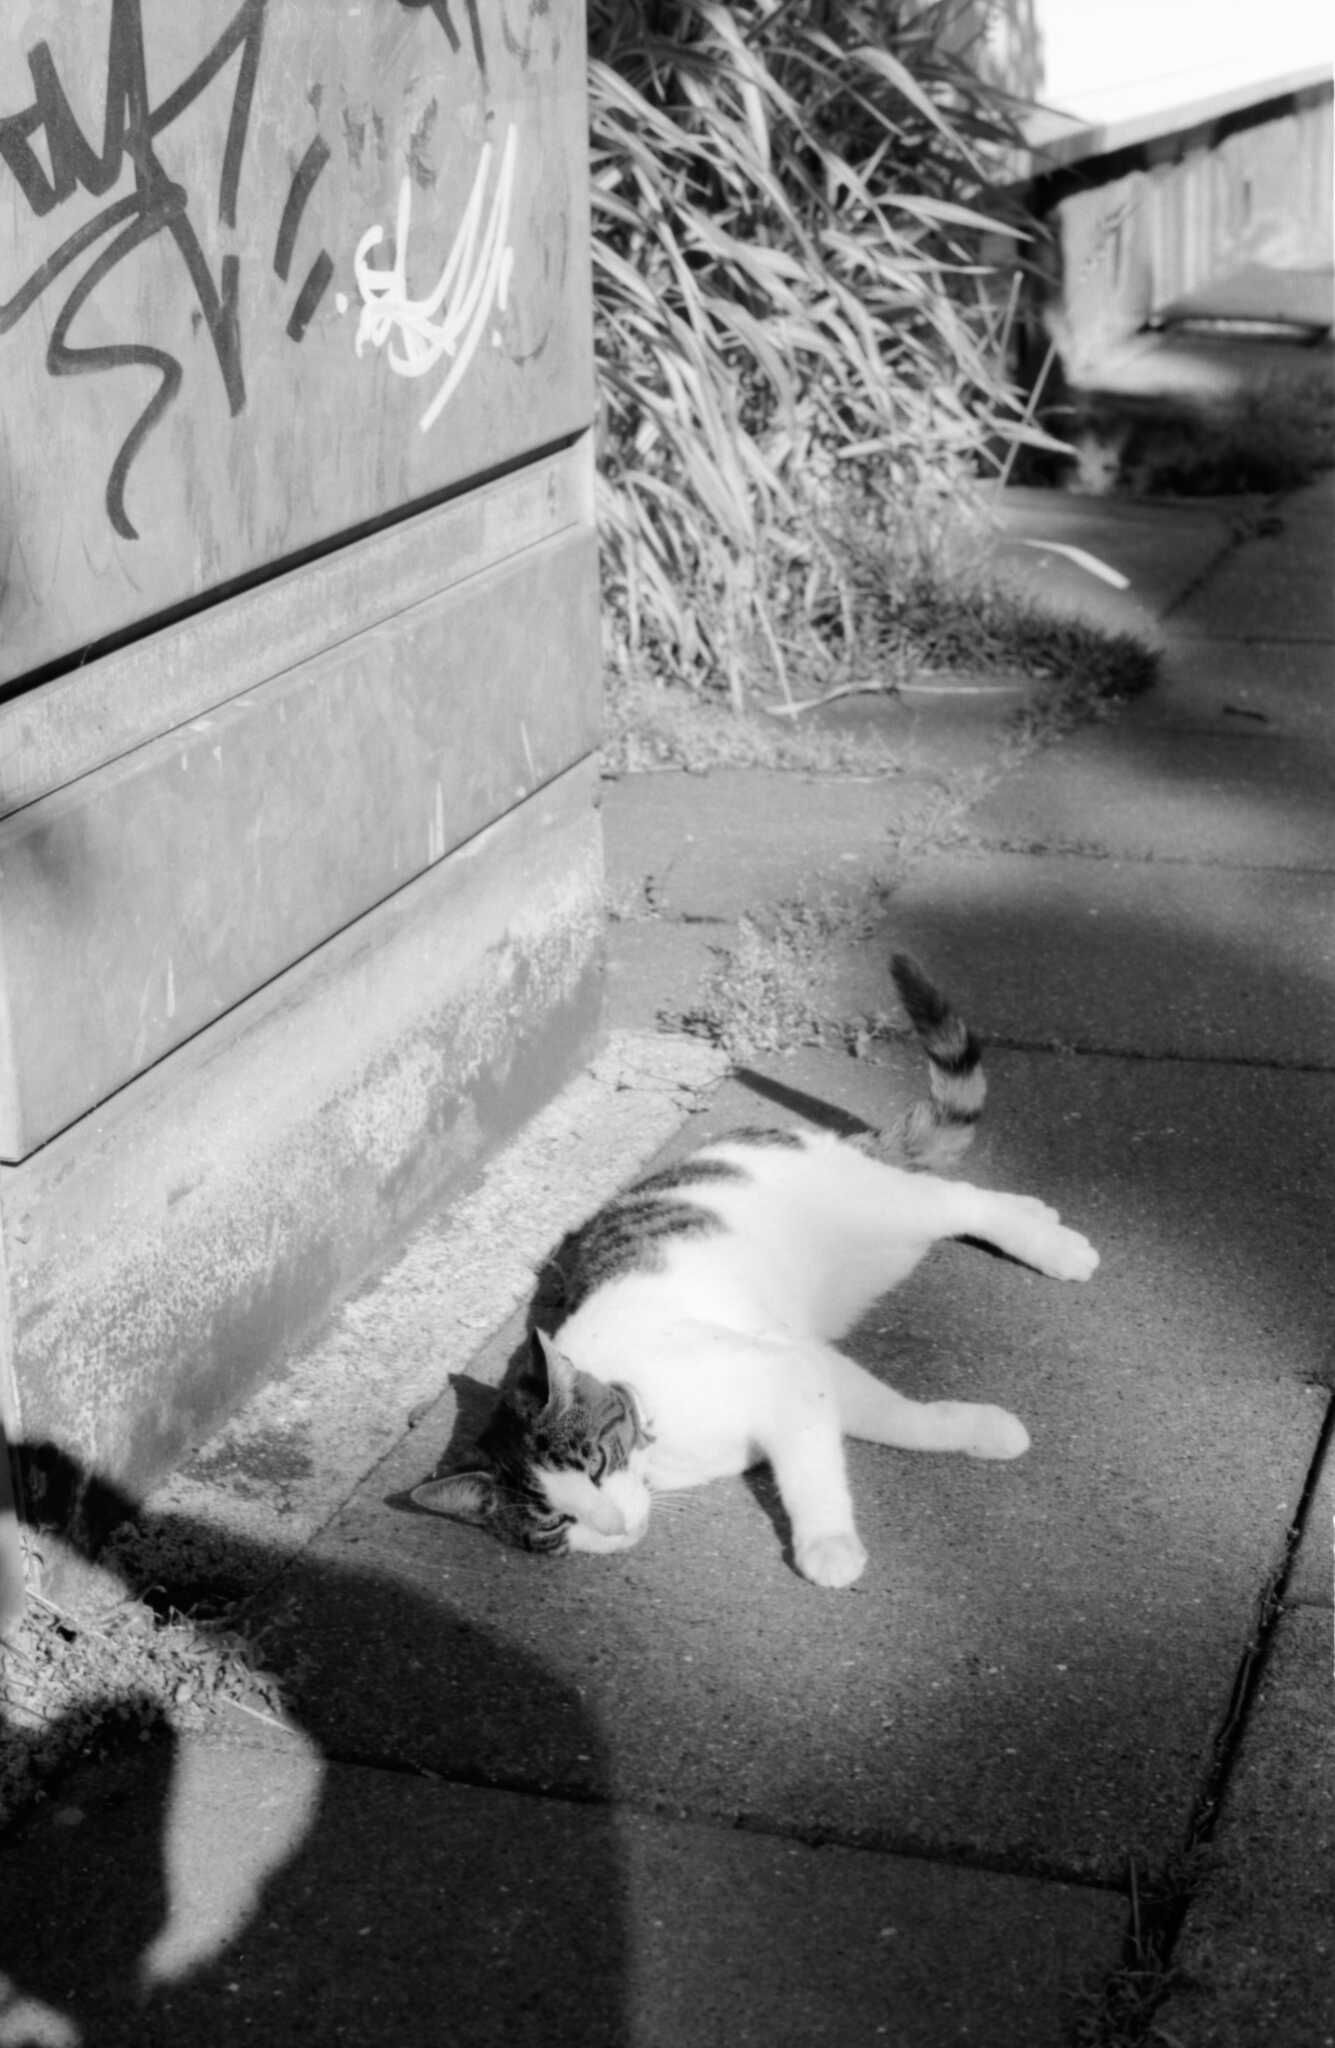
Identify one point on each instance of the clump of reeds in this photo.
(792, 329)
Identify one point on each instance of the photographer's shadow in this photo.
(308, 1885)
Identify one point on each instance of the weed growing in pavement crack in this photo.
(764, 993)
(1120, 2012)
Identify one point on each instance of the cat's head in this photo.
(560, 1464)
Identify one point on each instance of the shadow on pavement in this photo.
(358, 1899)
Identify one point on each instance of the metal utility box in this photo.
(300, 875)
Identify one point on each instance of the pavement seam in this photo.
(1256, 1652)
(1157, 1923)
(1243, 532)
(1071, 1048)
(879, 1843)
(1070, 850)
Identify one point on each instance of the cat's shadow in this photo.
(760, 1484)
(475, 1403)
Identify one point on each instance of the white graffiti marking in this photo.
(451, 320)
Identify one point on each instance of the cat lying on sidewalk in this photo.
(695, 1331)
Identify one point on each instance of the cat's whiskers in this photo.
(676, 1500)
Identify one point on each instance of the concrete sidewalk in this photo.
(1061, 1767)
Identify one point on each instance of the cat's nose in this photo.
(610, 1520)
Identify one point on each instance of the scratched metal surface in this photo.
(125, 931)
(269, 271)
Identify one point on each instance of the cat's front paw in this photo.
(993, 1432)
(1067, 1255)
(831, 1560)
(1028, 1229)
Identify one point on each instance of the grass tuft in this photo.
(71, 1686)
(763, 994)
(975, 623)
(1122, 2012)
(938, 620)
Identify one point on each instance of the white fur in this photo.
(612, 1515)
(729, 1348)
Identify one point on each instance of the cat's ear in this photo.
(464, 1496)
(549, 1376)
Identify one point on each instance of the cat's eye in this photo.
(598, 1464)
(544, 1533)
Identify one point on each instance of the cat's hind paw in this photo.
(834, 1560)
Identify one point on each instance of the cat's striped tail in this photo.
(937, 1133)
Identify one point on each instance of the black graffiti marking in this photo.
(523, 46)
(320, 272)
(245, 31)
(441, 10)
(65, 361)
(157, 203)
(310, 295)
(299, 191)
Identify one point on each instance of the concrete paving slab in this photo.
(370, 1906)
(1162, 549)
(1238, 961)
(1280, 586)
(1070, 581)
(1144, 794)
(1161, 960)
(1257, 1952)
(940, 726)
(1269, 689)
(713, 845)
(655, 966)
(1307, 521)
(1033, 1669)
(1262, 601)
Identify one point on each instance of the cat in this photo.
(694, 1318)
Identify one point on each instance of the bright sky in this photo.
(1107, 59)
